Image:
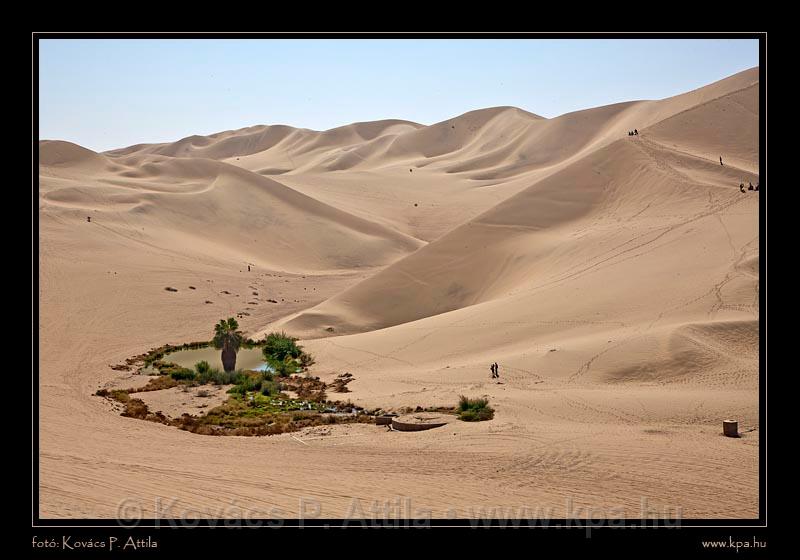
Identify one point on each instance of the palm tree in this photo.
(228, 338)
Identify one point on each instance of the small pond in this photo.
(246, 358)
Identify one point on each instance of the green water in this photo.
(246, 358)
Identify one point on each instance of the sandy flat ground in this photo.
(193, 400)
(615, 280)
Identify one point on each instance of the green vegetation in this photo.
(270, 387)
(177, 372)
(284, 355)
(247, 382)
(245, 414)
(279, 345)
(283, 368)
(259, 401)
(205, 374)
(202, 368)
(228, 338)
(474, 410)
(257, 414)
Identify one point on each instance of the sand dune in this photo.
(614, 278)
(251, 216)
(520, 240)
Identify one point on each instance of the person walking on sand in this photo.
(635, 132)
(491, 368)
(720, 160)
(750, 188)
(496, 371)
(741, 187)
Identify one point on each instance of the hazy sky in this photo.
(105, 94)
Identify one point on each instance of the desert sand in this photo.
(615, 279)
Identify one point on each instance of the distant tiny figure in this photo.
(635, 132)
(630, 133)
(88, 218)
(720, 160)
(496, 370)
(741, 187)
(750, 188)
(248, 268)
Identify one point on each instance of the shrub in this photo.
(205, 373)
(306, 360)
(279, 345)
(120, 395)
(135, 408)
(474, 410)
(169, 368)
(157, 383)
(182, 374)
(283, 368)
(250, 382)
(270, 388)
(226, 377)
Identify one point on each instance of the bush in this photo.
(174, 370)
(209, 376)
(306, 360)
(225, 377)
(181, 374)
(474, 410)
(283, 368)
(270, 388)
(157, 383)
(135, 408)
(280, 345)
(250, 382)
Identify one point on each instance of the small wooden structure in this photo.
(384, 419)
(730, 428)
(419, 421)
